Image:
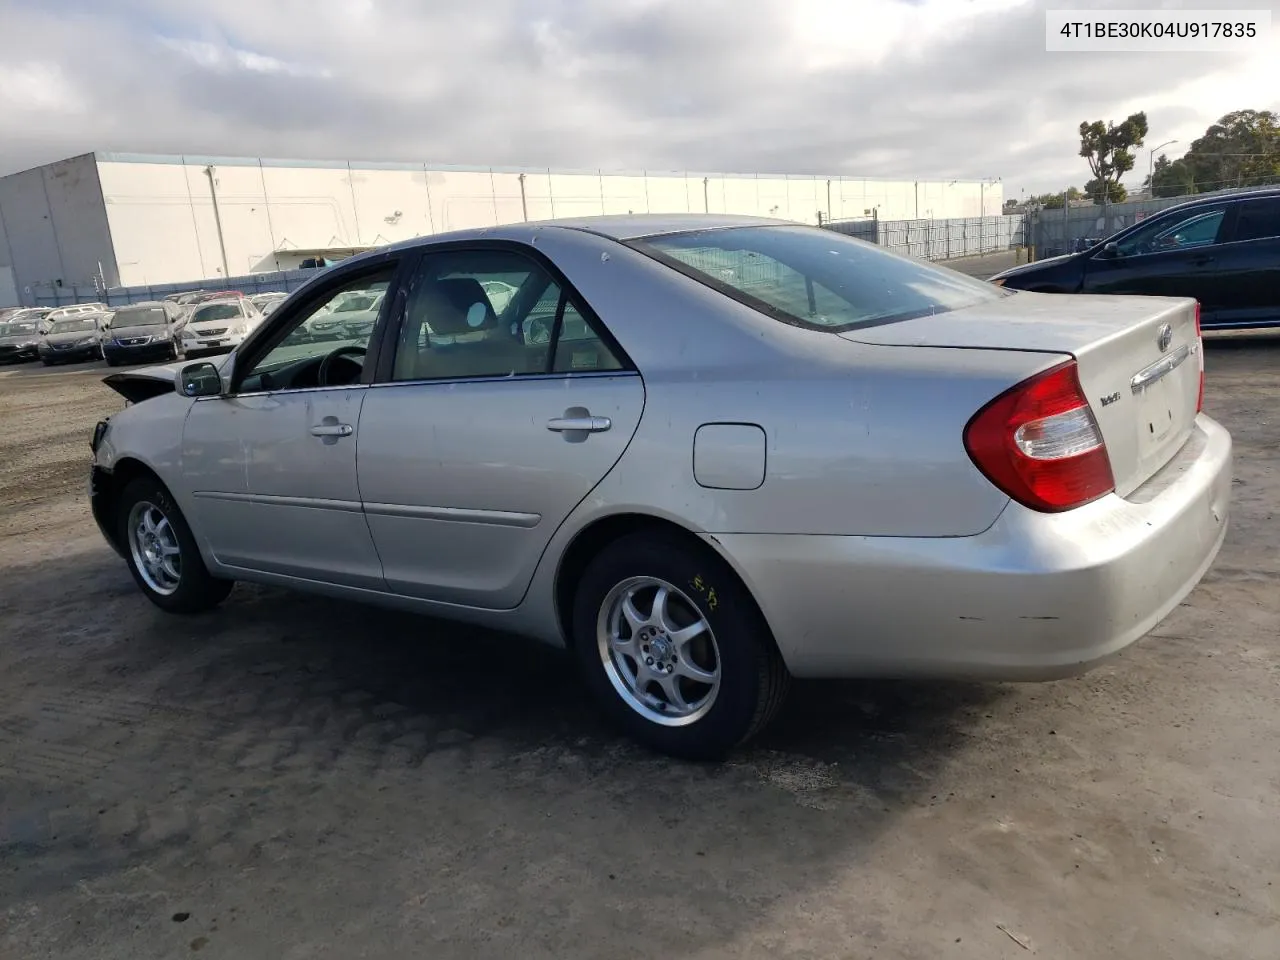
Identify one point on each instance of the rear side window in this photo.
(1258, 220)
(816, 278)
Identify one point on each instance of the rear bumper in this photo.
(1036, 596)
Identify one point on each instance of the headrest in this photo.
(456, 305)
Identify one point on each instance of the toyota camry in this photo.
(705, 454)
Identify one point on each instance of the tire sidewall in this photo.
(729, 611)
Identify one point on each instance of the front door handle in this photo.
(331, 430)
(1201, 260)
(579, 424)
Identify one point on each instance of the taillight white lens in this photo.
(1062, 435)
(1040, 444)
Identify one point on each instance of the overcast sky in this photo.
(887, 88)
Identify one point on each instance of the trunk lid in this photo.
(1142, 381)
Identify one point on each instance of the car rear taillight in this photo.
(1200, 351)
(1039, 443)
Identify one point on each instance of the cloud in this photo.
(880, 88)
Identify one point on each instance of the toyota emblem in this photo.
(1165, 337)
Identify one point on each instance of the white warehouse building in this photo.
(105, 220)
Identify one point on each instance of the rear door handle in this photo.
(1202, 260)
(331, 430)
(579, 424)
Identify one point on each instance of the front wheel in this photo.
(674, 648)
(162, 553)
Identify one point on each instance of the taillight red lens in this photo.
(1200, 351)
(1040, 444)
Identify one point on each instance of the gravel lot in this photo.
(292, 777)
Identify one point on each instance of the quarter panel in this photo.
(870, 446)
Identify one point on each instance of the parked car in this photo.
(19, 339)
(353, 309)
(150, 330)
(72, 340)
(71, 310)
(1223, 251)
(219, 324)
(748, 450)
(204, 296)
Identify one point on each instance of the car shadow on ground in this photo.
(192, 747)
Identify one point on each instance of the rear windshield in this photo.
(216, 311)
(816, 278)
(144, 317)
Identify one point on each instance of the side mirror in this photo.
(199, 380)
(1110, 250)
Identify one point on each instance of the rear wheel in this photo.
(673, 647)
(162, 553)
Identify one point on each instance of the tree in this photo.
(1171, 178)
(1241, 150)
(1053, 201)
(1108, 149)
(1115, 192)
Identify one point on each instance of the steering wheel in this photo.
(538, 330)
(346, 350)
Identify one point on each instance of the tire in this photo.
(735, 647)
(193, 590)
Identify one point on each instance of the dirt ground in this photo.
(291, 777)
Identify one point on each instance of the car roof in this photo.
(614, 226)
(1267, 193)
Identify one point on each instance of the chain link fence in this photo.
(286, 281)
(1070, 229)
(939, 239)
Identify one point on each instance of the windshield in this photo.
(139, 317)
(71, 326)
(18, 328)
(352, 304)
(816, 278)
(216, 311)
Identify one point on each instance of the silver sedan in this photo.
(706, 454)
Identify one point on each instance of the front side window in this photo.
(309, 351)
(493, 313)
(1179, 231)
(1258, 220)
(816, 278)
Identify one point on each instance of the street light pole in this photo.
(1151, 157)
